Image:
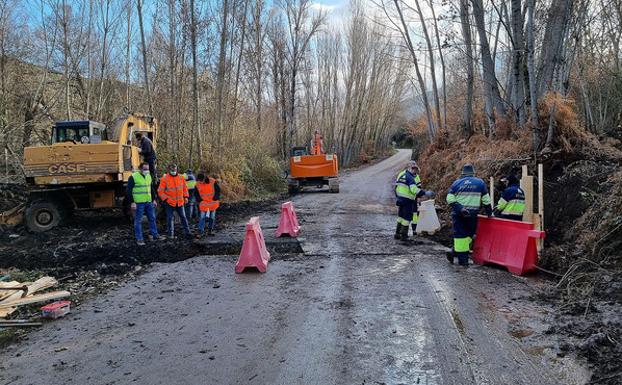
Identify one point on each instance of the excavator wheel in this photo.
(293, 186)
(43, 215)
(292, 189)
(333, 185)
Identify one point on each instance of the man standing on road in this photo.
(174, 195)
(415, 219)
(148, 152)
(141, 195)
(406, 192)
(466, 196)
(191, 182)
(512, 202)
(208, 193)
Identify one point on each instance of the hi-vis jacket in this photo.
(406, 188)
(173, 190)
(512, 202)
(207, 192)
(468, 192)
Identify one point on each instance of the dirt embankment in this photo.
(583, 220)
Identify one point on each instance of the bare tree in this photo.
(494, 103)
(301, 27)
(424, 29)
(404, 31)
(466, 34)
(139, 7)
(553, 42)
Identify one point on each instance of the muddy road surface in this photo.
(348, 305)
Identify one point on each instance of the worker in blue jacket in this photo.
(407, 191)
(466, 196)
(512, 202)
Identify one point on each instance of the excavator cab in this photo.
(84, 131)
(299, 151)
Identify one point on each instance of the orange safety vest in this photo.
(316, 145)
(173, 190)
(206, 191)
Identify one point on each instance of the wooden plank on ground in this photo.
(6, 293)
(7, 312)
(40, 284)
(35, 298)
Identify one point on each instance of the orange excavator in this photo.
(313, 168)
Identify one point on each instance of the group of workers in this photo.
(182, 194)
(466, 197)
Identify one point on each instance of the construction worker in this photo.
(208, 192)
(416, 212)
(406, 192)
(466, 196)
(141, 196)
(317, 144)
(174, 195)
(191, 182)
(512, 202)
(148, 153)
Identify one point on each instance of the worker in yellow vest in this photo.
(208, 195)
(191, 206)
(141, 196)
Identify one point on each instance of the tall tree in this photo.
(494, 104)
(139, 7)
(466, 34)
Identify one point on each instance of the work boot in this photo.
(450, 256)
(463, 260)
(140, 243)
(398, 230)
(404, 235)
(210, 233)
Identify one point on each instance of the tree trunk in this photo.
(196, 121)
(552, 43)
(466, 33)
(533, 99)
(139, 7)
(424, 96)
(220, 77)
(442, 59)
(66, 60)
(437, 103)
(494, 103)
(517, 62)
(128, 56)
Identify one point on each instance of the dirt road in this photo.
(355, 308)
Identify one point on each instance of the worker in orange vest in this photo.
(317, 144)
(208, 195)
(174, 195)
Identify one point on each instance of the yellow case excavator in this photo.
(86, 167)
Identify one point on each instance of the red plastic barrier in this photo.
(288, 223)
(254, 252)
(507, 243)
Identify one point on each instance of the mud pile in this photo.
(104, 242)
